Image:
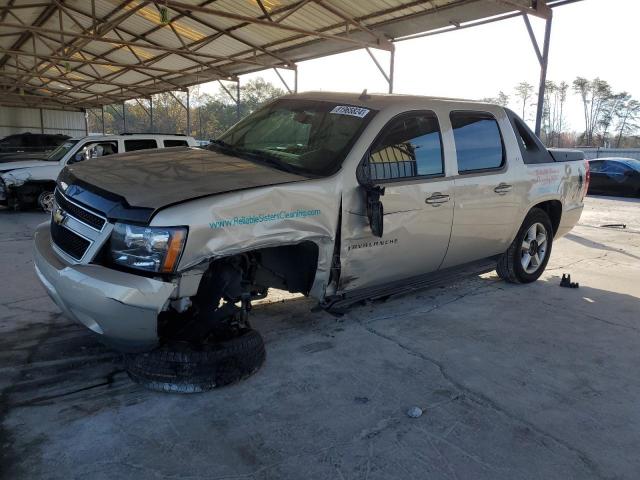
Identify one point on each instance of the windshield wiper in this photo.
(223, 144)
(272, 160)
(255, 155)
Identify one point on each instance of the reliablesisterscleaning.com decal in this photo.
(263, 217)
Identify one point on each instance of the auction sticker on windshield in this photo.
(348, 110)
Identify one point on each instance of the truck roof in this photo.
(378, 101)
(130, 136)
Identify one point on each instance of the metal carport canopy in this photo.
(89, 53)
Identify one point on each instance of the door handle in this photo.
(503, 188)
(437, 199)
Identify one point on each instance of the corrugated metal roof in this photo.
(82, 54)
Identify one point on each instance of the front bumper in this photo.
(121, 308)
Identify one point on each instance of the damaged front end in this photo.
(13, 190)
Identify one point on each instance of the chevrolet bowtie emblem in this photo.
(58, 216)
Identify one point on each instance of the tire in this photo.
(514, 266)
(182, 368)
(45, 201)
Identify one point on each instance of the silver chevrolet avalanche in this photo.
(341, 197)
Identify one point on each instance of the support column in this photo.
(151, 114)
(86, 122)
(295, 80)
(188, 115)
(124, 117)
(41, 121)
(391, 67)
(543, 74)
(238, 99)
(102, 111)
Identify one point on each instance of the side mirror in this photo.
(375, 210)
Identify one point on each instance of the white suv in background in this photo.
(32, 182)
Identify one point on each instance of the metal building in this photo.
(91, 53)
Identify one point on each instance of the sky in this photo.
(591, 38)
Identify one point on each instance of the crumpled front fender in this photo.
(247, 220)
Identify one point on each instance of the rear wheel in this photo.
(528, 255)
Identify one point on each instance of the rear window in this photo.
(478, 141)
(175, 143)
(139, 144)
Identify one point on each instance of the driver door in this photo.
(407, 160)
(95, 150)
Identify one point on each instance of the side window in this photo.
(409, 146)
(175, 143)
(96, 150)
(595, 167)
(140, 144)
(478, 141)
(613, 168)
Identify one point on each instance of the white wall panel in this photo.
(20, 120)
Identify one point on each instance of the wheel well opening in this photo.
(553, 208)
(290, 267)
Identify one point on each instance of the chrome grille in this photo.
(69, 242)
(80, 213)
(77, 233)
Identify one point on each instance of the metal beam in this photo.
(387, 76)
(42, 18)
(543, 75)
(539, 8)
(276, 25)
(286, 85)
(532, 36)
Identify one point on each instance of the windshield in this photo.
(301, 136)
(61, 151)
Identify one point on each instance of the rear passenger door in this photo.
(486, 202)
(407, 160)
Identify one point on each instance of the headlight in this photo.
(155, 249)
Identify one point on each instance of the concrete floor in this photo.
(517, 382)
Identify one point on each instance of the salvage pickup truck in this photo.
(342, 197)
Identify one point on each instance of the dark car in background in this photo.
(615, 176)
(24, 146)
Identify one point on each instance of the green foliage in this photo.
(211, 115)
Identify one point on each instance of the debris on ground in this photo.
(414, 412)
(566, 282)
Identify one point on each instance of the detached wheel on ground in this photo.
(528, 255)
(182, 367)
(45, 201)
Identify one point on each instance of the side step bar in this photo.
(339, 304)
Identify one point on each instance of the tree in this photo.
(502, 99)
(595, 94)
(610, 110)
(626, 116)
(563, 88)
(524, 91)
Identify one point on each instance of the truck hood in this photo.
(154, 179)
(7, 166)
